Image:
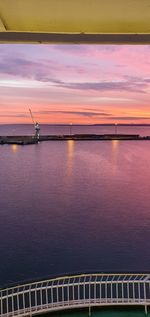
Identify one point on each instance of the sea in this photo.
(73, 206)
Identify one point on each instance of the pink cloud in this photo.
(70, 80)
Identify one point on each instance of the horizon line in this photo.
(82, 124)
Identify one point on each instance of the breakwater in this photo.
(25, 140)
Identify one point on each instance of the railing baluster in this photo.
(145, 298)
(57, 299)
(78, 293)
(63, 295)
(89, 290)
(95, 289)
(133, 286)
(111, 292)
(144, 291)
(106, 291)
(23, 300)
(35, 293)
(117, 291)
(41, 297)
(73, 291)
(12, 304)
(46, 295)
(7, 307)
(139, 292)
(100, 291)
(68, 293)
(1, 303)
(52, 294)
(84, 290)
(128, 294)
(18, 301)
(95, 292)
(122, 292)
(30, 298)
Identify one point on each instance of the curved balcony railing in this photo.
(79, 291)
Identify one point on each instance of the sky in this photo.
(78, 84)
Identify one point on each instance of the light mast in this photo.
(36, 126)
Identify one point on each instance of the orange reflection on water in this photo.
(68, 171)
(14, 148)
(70, 150)
(70, 147)
(115, 144)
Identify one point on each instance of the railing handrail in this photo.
(75, 276)
(74, 291)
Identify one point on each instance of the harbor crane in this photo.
(36, 126)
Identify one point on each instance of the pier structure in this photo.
(76, 292)
(27, 139)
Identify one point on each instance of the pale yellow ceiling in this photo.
(44, 19)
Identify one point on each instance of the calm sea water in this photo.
(74, 206)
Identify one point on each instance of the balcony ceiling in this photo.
(75, 21)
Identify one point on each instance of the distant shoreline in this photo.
(82, 125)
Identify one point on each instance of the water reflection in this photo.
(70, 152)
(115, 144)
(68, 174)
(14, 148)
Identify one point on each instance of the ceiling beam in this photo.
(30, 37)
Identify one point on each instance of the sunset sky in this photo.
(86, 84)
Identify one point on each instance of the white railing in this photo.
(69, 292)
